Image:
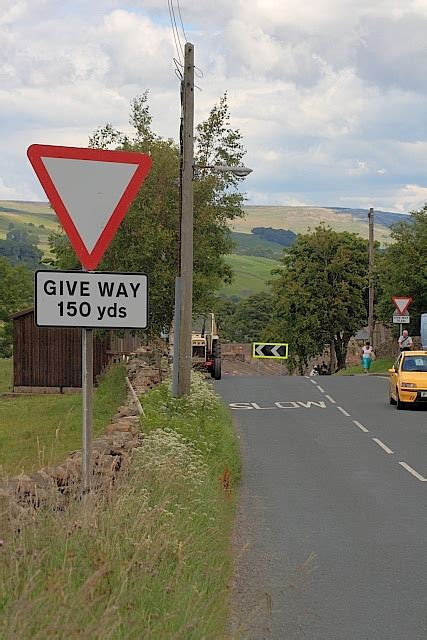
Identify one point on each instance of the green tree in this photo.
(246, 320)
(402, 269)
(319, 296)
(148, 238)
(21, 247)
(16, 293)
(224, 309)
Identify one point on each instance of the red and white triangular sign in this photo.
(401, 304)
(90, 191)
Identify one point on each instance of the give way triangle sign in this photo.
(90, 191)
(401, 304)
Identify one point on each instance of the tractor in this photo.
(205, 346)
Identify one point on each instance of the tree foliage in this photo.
(20, 247)
(245, 320)
(16, 293)
(319, 295)
(402, 269)
(283, 237)
(148, 238)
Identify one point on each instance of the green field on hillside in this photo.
(34, 217)
(250, 275)
(300, 219)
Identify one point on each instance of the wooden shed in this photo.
(48, 359)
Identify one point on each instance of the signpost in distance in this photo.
(401, 316)
(401, 303)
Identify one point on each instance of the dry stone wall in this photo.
(111, 452)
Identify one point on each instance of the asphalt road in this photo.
(331, 528)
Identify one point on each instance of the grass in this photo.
(378, 366)
(40, 430)
(151, 559)
(5, 374)
(250, 274)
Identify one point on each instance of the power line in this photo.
(182, 24)
(178, 45)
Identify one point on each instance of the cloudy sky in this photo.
(330, 95)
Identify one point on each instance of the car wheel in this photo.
(399, 404)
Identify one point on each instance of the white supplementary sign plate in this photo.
(91, 300)
(401, 319)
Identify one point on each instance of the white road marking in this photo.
(307, 405)
(382, 445)
(283, 404)
(313, 381)
(413, 472)
(320, 388)
(343, 411)
(361, 426)
(331, 399)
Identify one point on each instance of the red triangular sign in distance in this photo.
(90, 191)
(401, 304)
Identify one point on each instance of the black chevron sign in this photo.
(271, 350)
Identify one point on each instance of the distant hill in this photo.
(382, 218)
(300, 219)
(36, 217)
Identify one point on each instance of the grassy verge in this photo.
(151, 559)
(5, 374)
(40, 430)
(378, 366)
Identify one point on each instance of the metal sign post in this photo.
(87, 407)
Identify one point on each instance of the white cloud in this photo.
(8, 192)
(411, 197)
(330, 96)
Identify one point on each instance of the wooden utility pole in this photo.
(186, 266)
(371, 277)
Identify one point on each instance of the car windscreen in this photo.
(415, 364)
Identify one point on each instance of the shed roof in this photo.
(21, 313)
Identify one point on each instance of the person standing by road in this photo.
(367, 356)
(405, 341)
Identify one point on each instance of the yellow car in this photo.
(408, 379)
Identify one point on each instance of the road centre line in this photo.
(382, 445)
(313, 381)
(361, 426)
(343, 411)
(413, 472)
(330, 399)
(320, 388)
